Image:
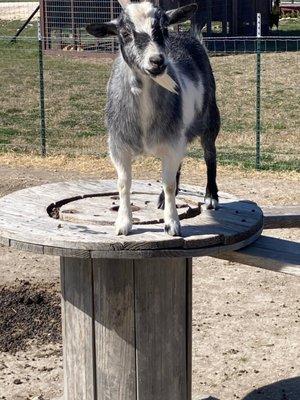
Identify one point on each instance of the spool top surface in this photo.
(77, 219)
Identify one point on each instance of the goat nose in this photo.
(157, 61)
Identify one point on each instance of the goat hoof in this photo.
(161, 201)
(123, 228)
(173, 228)
(211, 203)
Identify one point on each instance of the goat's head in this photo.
(142, 30)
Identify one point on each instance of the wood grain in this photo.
(127, 329)
(103, 210)
(281, 217)
(114, 329)
(268, 253)
(78, 329)
(26, 224)
(189, 323)
(162, 315)
(189, 253)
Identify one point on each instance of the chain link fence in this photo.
(75, 85)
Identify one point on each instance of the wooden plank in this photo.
(189, 323)
(232, 233)
(268, 253)
(241, 209)
(277, 244)
(63, 252)
(195, 241)
(292, 210)
(87, 237)
(78, 329)
(114, 329)
(53, 232)
(35, 248)
(181, 252)
(281, 217)
(224, 217)
(161, 302)
(194, 251)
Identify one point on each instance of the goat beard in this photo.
(165, 81)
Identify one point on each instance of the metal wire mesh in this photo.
(280, 108)
(64, 23)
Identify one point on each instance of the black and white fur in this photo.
(145, 118)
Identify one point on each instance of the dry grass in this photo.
(75, 99)
(264, 187)
(236, 91)
(145, 167)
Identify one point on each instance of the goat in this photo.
(145, 118)
(275, 15)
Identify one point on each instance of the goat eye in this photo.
(125, 33)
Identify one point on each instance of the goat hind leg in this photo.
(211, 198)
(161, 198)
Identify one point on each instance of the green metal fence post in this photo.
(42, 93)
(258, 91)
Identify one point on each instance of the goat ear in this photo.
(181, 14)
(103, 29)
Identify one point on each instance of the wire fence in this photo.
(74, 98)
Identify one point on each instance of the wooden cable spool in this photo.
(126, 304)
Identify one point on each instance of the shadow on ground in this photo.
(287, 389)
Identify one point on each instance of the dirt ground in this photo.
(246, 321)
(17, 10)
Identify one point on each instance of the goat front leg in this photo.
(170, 167)
(122, 163)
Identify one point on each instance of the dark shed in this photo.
(232, 17)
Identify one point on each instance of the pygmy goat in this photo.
(161, 95)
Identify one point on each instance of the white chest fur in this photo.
(192, 94)
(192, 99)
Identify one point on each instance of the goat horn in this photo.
(124, 3)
